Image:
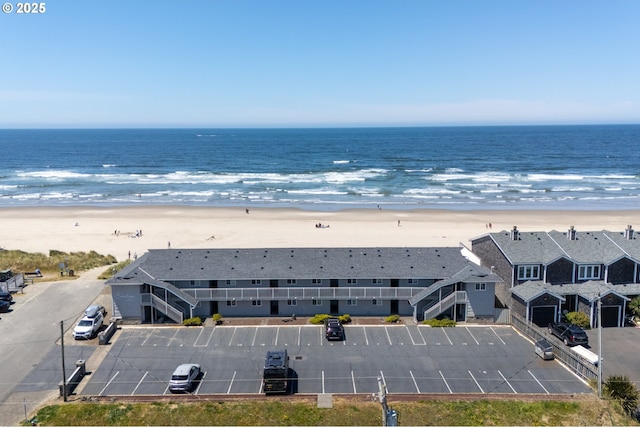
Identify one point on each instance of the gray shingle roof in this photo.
(298, 263)
(589, 247)
(530, 247)
(588, 290)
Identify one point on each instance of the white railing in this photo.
(291, 293)
(458, 297)
(164, 307)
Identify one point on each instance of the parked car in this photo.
(6, 296)
(93, 310)
(87, 327)
(184, 377)
(4, 306)
(568, 333)
(334, 329)
(544, 349)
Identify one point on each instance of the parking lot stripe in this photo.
(299, 333)
(231, 383)
(173, 337)
(445, 334)
(388, 337)
(411, 336)
(353, 381)
(539, 383)
(445, 382)
(277, 334)
(107, 384)
(474, 338)
(384, 381)
(233, 334)
(505, 380)
(148, 336)
(322, 382)
(253, 341)
(365, 335)
(200, 383)
(414, 382)
(474, 380)
(494, 331)
(139, 382)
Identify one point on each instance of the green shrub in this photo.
(192, 321)
(345, 318)
(392, 319)
(216, 317)
(440, 323)
(578, 318)
(319, 319)
(622, 390)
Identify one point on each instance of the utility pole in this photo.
(599, 346)
(64, 374)
(389, 416)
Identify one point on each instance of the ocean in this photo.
(503, 167)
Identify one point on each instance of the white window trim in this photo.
(376, 281)
(352, 281)
(230, 282)
(292, 281)
(256, 302)
(589, 271)
(481, 287)
(528, 272)
(256, 281)
(316, 302)
(316, 281)
(292, 302)
(376, 302)
(412, 281)
(352, 302)
(231, 303)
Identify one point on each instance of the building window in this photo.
(481, 286)
(377, 302)
(412, 281)
(256, 282)
(586, 272)
(528, 272)
(376, 281)
(352, 302)
(316, 302)
(256, 302)
(292, 282)
(230, 282)
(352, 281)
(231, 303)
(316, 281)
(292, 302)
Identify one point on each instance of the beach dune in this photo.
(130, 231)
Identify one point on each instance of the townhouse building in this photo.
(545, 274)
(175, 284)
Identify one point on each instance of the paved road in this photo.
(30, 332)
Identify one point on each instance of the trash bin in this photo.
(102, 338)
(70, 272)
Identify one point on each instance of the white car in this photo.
(87, 327)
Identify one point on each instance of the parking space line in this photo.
(321, 339)
(233, 334)
(107, 384)
(494, 331)
(195, 344)
(539, 383)
(255, 334)
(277, 334)
(415, 383)
(322, 382)
(174, 335)
(139, 382)
(231, 383)
(197, 338)
(474, 380)
(148, 336)
(384, 381)
(365, 335)
(445, 382)
(353, 381)
(411, 336)
(445, 334)
(388, 337)
(505, 380)
(299, 333)
(200, 383)
(474, 338)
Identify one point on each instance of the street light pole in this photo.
(599, 346)
(64, 374)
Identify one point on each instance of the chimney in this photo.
(628, 233)
(515, 234)
(571, 234)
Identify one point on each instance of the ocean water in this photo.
(506, 167)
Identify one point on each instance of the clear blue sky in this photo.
(281, 63)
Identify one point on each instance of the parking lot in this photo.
(410, 359)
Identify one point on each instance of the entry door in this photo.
(334, 308)
(394, 306)
(274, 308)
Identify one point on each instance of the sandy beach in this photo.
(113, 230)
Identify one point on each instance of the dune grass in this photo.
(21, 262)
(582, 412)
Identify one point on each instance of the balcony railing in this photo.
(291, 293)
(163, 306)
(458, 297)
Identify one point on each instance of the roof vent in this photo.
(628, 233)
(571, 234)
(515, 234)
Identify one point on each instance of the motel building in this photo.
(174, 284)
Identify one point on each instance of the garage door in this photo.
(610, 316)
(542, 316)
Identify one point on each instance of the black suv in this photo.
(333, 329)
(569, 334)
